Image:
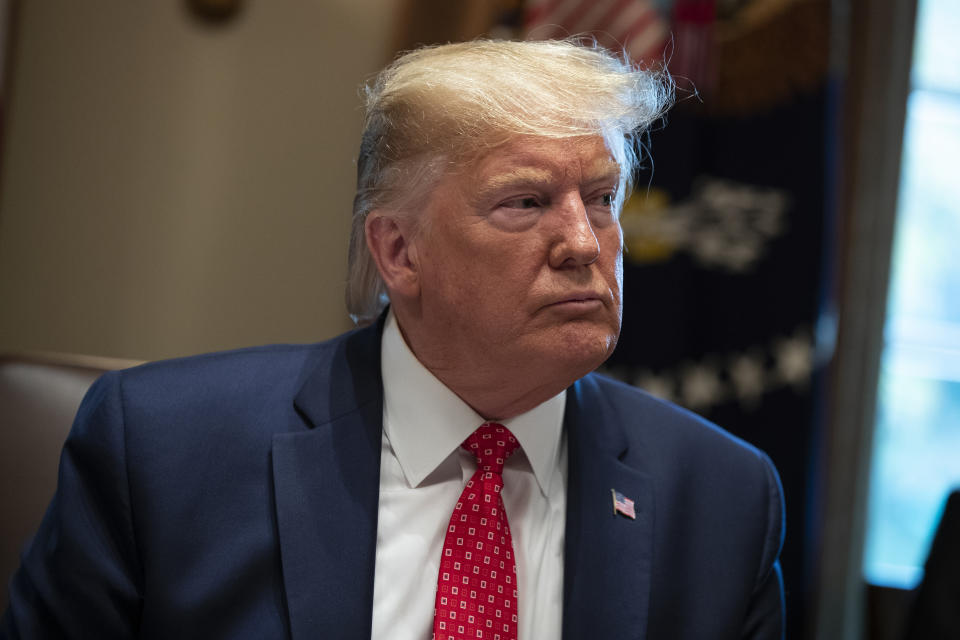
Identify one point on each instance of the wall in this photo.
(170, 188)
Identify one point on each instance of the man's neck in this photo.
(494, 391)
(491, 396)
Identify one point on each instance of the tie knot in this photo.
(492, 444)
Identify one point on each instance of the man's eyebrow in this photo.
(602, 169)
(516, 177)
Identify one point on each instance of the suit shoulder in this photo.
(241, 385)
(234, 371)
(655, 421)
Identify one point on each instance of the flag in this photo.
(622, 504)
(633, 26)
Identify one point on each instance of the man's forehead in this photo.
(539, 159)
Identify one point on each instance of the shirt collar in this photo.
(425, 421)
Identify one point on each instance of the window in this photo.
(916, 457)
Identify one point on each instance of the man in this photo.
(322, 491)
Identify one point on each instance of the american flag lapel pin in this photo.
(622, 504)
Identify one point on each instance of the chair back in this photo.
(39, 395)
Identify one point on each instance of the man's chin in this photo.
(580, 350)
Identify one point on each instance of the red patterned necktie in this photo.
(477, 585)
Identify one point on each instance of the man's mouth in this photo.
(580, 300)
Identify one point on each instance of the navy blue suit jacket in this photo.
(235, 495)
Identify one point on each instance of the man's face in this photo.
(520, 261)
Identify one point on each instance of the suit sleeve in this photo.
(765, 617)
(80, 576)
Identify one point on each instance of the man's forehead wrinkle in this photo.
(526, 168)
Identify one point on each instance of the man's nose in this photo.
(576, 242)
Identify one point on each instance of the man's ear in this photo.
(389, 238)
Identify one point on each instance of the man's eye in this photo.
(606, 199)
(528, 202)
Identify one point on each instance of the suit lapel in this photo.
(607, 556)
(327, 481)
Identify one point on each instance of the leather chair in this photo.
(39, 395)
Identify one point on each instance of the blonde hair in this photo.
(436, 108)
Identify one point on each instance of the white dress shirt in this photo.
(423, 470)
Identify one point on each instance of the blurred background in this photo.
(177, 177)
